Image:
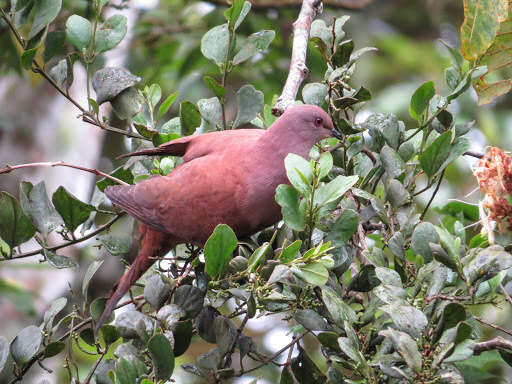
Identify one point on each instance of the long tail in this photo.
(153, 244)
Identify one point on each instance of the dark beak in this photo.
(336, 134)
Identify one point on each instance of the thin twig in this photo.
(289, 365)
(473, 154)
(267, 360)
(493, 344)
(9, 168)
(497, 327)
(93, 369)
(433, 195)
(69, 243)
(505, 293)
(266, 4)
(298, 69)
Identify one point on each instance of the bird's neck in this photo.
(281, 142)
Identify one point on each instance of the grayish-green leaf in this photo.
(311, 320)
(116, 244)
(249, 103)
(396, 193)
(157, 291)
(26, 344)
(338, 309)
(392, 162)
(4, 352)
(255, 43)
(35, 204)
(406, 347)
(407, 318)
(79, 32)
(214, 44)
(110, 33)
(314, 93)
(211, 111)
(288, 198)
(424, 234)
(111, 81)
(44, 13)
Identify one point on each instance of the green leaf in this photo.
(420, 100)
(311, 320)
(406, 346)
(290, 252)
(365, 280)
(487, 263)
(73, 211)
(436, 154)
(129, 369)
(109, 333)
(214, 44)
(97, 308)
(237, 12)
(79, 32)
(313, 273)
(249, 103)
(481, 23)
(154, 94)
(255, 43)
(120, 173)
(299, 173)
(15, 227)
(462, 351)
(44, 13)
(190, 118)
(53, 349)
(334, 189)
(424, 234)
(304, 370)
(36, 205)
(110, 33)
(288, 198)
(27, 57)
(26, 344)
(258, 256)
(342, 54)
(344, 227)
(116, 244)
(182, 337)
(218, 250)
(53, 44)
(164, 107)
(453, 208)
(162, 356)
(217, 89)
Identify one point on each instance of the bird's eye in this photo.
(318, 122)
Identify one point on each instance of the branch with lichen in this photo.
(298, 69)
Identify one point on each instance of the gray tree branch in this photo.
(298, 69)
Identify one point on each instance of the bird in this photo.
(226, 177)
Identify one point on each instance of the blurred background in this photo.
(162, 46)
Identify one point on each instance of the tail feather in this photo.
(153, 244)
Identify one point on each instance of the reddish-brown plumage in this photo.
(226, 177)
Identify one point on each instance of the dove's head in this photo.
(307, 122)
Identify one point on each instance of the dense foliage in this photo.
(385, 289)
